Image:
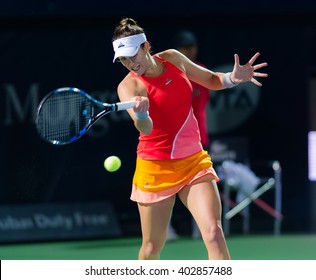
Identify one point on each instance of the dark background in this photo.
(49, 44)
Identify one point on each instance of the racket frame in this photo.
(107, 108)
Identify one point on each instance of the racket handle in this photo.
(125, 105)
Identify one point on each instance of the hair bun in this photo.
(128, 21)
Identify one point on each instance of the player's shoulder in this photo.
(131, 84)
(129, 79)
(170, 55)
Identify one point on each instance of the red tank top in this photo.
(201, 98)
(175, 132)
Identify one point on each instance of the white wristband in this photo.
(227, 81)
(141, 115)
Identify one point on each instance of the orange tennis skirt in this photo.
(155, 180)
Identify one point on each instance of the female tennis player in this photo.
(170, 158)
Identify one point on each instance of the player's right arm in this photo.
(131, 88)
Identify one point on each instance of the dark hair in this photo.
(184, 38)
(127, 27)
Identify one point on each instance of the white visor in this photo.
(128, 46)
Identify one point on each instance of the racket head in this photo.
(64, 115)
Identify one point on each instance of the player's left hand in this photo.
(247, 72)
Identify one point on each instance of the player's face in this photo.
(136, 63)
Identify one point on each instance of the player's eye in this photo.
(120, 59)
(124, 59)
(133, 57)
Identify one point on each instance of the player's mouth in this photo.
(136, 68)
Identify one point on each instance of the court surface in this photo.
(242, 247)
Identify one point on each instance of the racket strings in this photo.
(64, 117)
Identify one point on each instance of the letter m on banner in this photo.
(18, 110)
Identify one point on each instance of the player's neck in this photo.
(155, 69)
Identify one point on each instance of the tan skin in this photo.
(207, 212)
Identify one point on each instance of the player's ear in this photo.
(147, 46)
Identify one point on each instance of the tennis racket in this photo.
(66, 114)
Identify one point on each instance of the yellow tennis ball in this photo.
(112, 163)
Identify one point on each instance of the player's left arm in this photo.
(217, 80)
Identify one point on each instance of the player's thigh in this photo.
(202, 199)
(155, 217)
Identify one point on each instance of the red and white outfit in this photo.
(201, 98)
(172, 156)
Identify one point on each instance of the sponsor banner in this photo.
(57, 221)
